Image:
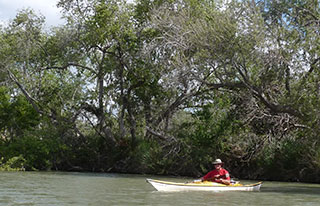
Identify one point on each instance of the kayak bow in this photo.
(201, 186)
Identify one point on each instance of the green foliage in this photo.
(284, 161)
(148, 155)
(16, 114)
(208, 133)
(34, 150)
(164, 87)
(13, 164)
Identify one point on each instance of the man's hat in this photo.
(217, 162)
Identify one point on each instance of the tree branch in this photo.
(30, 99)
(72, 64)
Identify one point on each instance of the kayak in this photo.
(201, 186)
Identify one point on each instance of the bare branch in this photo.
(157, 134)
(71, 64)
(30, 99)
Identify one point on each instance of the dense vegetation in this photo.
(164, 87)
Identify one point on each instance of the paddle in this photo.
(193, 181)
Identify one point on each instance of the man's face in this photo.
(217, 166)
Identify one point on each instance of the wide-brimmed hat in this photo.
(217, 162)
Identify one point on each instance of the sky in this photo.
(48, 8)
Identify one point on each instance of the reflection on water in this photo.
(64, 189)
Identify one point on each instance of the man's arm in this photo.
(220, 179)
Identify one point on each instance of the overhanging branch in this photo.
(71, 64)
(30, 99)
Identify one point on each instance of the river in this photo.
(102, 189)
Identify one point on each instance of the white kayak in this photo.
(201, 186)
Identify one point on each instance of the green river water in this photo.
(97, 189)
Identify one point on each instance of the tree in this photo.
(262, 55)
(163, 81)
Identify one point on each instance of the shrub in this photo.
(16, 163)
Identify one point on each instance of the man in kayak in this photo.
(218, 175)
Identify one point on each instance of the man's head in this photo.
(217, 163)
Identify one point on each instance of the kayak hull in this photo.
(205, 186)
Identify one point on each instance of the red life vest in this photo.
(224, 174)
